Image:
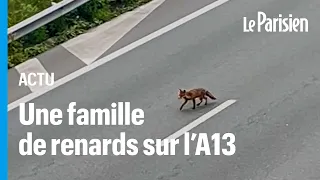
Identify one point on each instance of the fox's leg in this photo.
(185, 102)
(194, 103)
(201, 99)
(205, 98)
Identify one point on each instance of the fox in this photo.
(194, 93)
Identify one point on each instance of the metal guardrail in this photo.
(42, 18)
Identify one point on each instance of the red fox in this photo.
(192, 94)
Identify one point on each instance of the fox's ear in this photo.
(183, 91)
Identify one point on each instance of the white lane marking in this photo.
(117, 53)
(32, 66)
(91, 45)
(200, 120)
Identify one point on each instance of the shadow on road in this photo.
(202, 107)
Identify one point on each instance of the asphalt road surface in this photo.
(274, 77)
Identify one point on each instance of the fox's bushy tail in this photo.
(210, 95)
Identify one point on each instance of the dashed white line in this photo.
(117, 53)
(201, 119)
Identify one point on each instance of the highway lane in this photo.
(274, 77)
(158, 19)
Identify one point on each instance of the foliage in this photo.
(76, 22)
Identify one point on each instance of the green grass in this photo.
(76, 22)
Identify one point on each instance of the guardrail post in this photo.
(42, 18)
